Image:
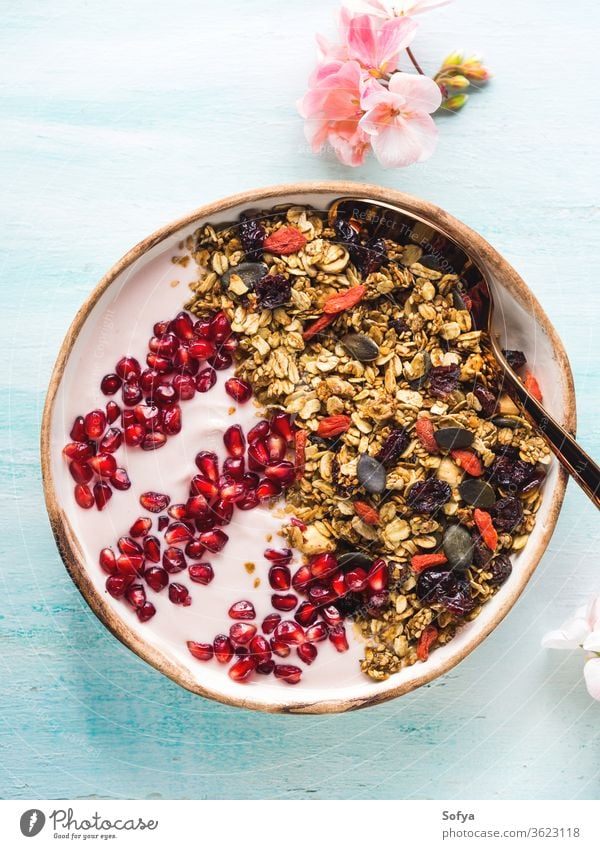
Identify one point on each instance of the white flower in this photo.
(581, 631)
(394, 8)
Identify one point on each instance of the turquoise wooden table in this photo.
(119, 117)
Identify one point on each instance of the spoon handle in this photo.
(580, 466)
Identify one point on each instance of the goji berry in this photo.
(532, 386)
(333, 425)
(424, 561)
(344, 300)
(428, 636)
(299, 449)
(488, 532)
(367, 513)
(286, 240)
(317, 326)
(468, 461)
(425, 433)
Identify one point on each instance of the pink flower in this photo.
(378, 48)
(395, 8)
(398, 119)
(582, 631)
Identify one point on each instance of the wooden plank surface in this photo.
(119, 117)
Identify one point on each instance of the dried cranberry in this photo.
(252, 237)
(453, 593)
(481, 553)
(443, 380)
(507, 513)
(273, 291)
(500, 569)
(378, 603)
(345, 232)
(536, 480)
(428, 496)
(399, 325)
(487, 400)
(393, 447)
(512, 473)
(515, 359)
(370, 257)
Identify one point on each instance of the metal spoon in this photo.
(392, 222)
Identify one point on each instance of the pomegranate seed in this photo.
(128, 368)
(250, 481)
(117, 585)
(165, 395)
(307, 652)
(259, 648)
(242, 651)
(379, 575)
(301, 579)
(289, 674)
(205, 523)
(317, 632)
(223, 648)
(156, 578)
(323, 565)
(200, 485)
(242, 632)
(154, 502)
(338, 584)
(182, 326)
(281, 556)
(110, 384)
(281, 423)
(283, 473)
(331, 615)
(164, 345)
(276, 447)
(153, 441)
(108, 561)
(113, 411)
(259, 431)
(161, 327)
(129, 546)
(356, 580)
(184, 386)
(230, 345)
(79, 451)
(104, 465)
(280, 648)
(289, 631)
(306, 614)
(183, 362)
(222, 512)
(177, 511)
(152, 549)
(173, 560)
(201, 651)
(163, 522)
(179, 594)
(201, 573)
(270, 622)
(141, 527)
(127, 418)
(234, 441)
(146, 612)
(220, 327)
(207, 463)
(267, 489)
(95, 424)
(131, 393)
(134, 434)
(337, 635)
(136, 595)
(158, 363)
(234, 467)
(257, 455)
(239, 390)
(120, 480)
(230, 489)
(196, 506)
(111, 440)
(242, 610)
(248, 502)
(78, 433)
(80, 472)
(280, 577)
(102, 494)
(284, 602)
(202, 328)
(266, 667)
(242, 669)
(177, 532)
(206, 379)
(214, 540)
(319, 594)
(202, 349)
(150, 379)
(130, 564)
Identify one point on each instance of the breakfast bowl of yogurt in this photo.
(278, 458)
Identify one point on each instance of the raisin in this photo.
(273, 291)
(443, 380)
(487, 400)
(399, 325)
(345, 232)
(512, 473)
(515, 359)
(393, 447)
(378, 603)
(453, 593)
(370, 257)
(252, 237)
(481, 553)
(428, 496)
(500, 569)
(507, 513)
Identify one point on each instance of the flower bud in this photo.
(458, 81)
(474, 69)
(456, 102)
(455, 58)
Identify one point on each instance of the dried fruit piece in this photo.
(515, 359)
(393, 447)
(507, 513)
(532, 386)
(428, 496)
(300, 452)
(333, 426)
(468, 461)
(443, 380)
(426, 640)
(487, 530)
(426, 435)
(272, 291)
(317, 326)
(419, 562)
(344, 300)
(367, 513)
(285, 241)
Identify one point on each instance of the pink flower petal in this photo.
(592, 641)
(395, 8)
(591, 673)
(421, 93)
(571, 634)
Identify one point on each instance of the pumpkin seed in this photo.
(477, 493)
(457, 300)
(458, 547)
(503, 421)
(361, 347)
(453, 437)
(242, 278)
(354, 560)
(371, 474)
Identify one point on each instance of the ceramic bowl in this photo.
(94, 330)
